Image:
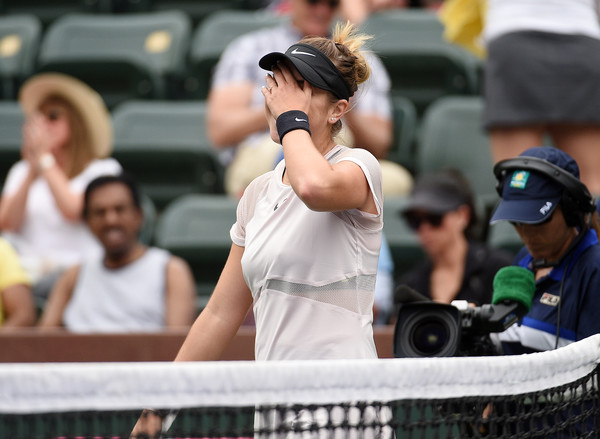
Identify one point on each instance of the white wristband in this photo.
(47, 160)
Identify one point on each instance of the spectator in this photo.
(16, 301)
(441, 210)
(131, 287)
(307, 236)
(551, 211)
(236, 122)
(65, 137)
(541, 76)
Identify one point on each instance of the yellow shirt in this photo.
(11, 271)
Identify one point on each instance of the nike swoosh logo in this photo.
(301, 120)
(297, 52)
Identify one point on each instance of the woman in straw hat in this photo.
(66, 138)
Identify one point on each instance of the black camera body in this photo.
(431, 329)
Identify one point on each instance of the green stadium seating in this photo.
(405, 128)
(404, 244)
(423, 67)
(196, 228)
(11, 121)
(122, 56)
(212, 36)
(146, 234)
(163, 145)
(451, 136)
(503, 235)
(49, 10)
(19, 42)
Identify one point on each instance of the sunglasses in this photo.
(333, 4)
(416, 220)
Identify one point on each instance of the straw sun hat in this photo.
(84, 100)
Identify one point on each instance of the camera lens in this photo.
(429, 337)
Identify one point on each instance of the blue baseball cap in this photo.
(529, 196)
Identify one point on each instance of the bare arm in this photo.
(18, 306)
(213, 329)
(219, 321)
(12, 207)
(231, 118)
(52, 317)
(321, 186)
(181, 294)
(371, 132)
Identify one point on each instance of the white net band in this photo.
(36, 388)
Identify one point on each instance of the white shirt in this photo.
(556, 16)
(46, 239)
(126, 299)
(312, 274)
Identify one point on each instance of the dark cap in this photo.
(529, 196)
(439, 193)
(314, 66)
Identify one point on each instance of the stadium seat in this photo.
(405, 127)
(196, 228)
(49, 10)
(122, 56)
(403, 242)
(212, 36)
(11, 121)
(422, 66)
(146, 234)
(452, 137)
(503, 235)
(19, 42)
(163, 145)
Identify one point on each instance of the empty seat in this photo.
(19, 42)
(163, 145)
(49, 10)
(503, 235)
(404, 244)
(422, 65)
(196, 228)
(213, 35)
(452, 137)
(122, 56)
(11, 122)
(405, 127)
(146, 234)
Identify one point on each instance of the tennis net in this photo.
(542, 395)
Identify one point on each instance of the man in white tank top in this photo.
(131, 287)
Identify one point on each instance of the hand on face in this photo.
(39, 138)
(283, 92)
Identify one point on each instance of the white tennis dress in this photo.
(312, 274)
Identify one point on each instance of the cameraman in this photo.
(551, 210)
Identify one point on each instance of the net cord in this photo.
(43, 387)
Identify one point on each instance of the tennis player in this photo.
(307, 237)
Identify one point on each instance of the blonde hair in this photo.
(79, 148)
(346, 50)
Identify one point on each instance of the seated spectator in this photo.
(16, 302)
(66, 138)
(236, 113)
(131, 287)
(442, 212)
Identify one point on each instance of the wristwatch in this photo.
(47, 160)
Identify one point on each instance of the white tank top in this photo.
(312, 274)
(127, 299)
(577, 17)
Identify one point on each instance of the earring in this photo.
(333, 119)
